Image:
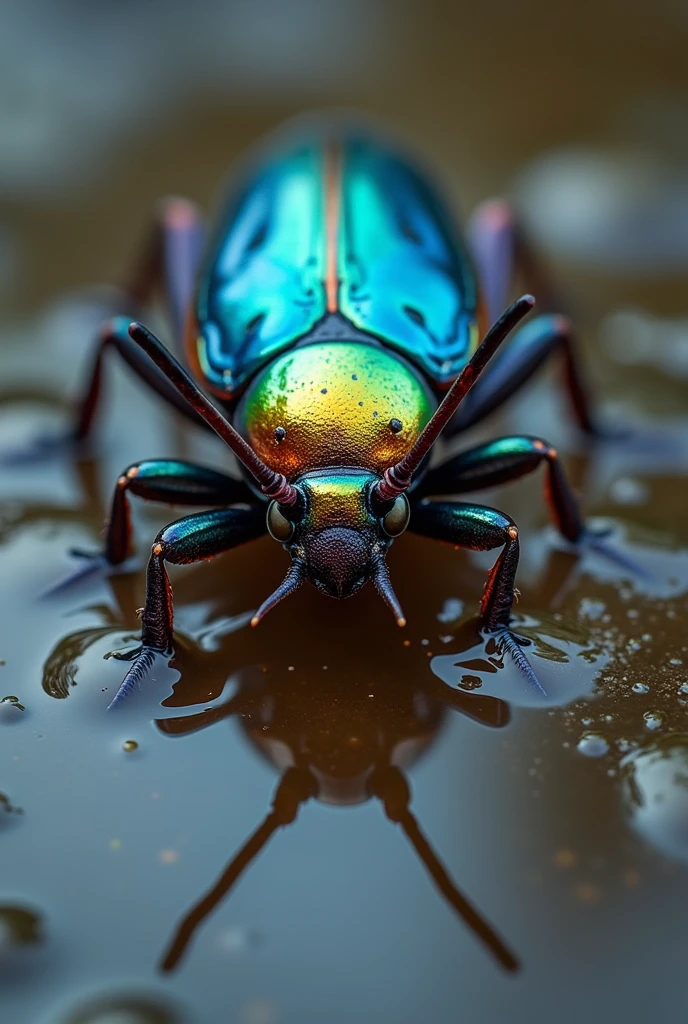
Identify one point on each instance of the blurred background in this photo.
(575, 847)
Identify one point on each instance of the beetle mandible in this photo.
(335, 316)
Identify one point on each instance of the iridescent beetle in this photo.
(334, 307)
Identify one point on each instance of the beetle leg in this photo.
(171, 481)
(524, 353)
(171, 256)
(509, 458)
(502, 252)
(504, 459)
(481, 528)
(192, 539)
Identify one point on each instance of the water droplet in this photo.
(640, 688)
(592, 744)
(130, 745)
(653, 720)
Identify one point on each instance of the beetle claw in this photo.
(510, 644)
(144, 661)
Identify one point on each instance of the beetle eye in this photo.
(279, 527)
(397, 519)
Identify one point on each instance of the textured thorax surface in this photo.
(334, 404)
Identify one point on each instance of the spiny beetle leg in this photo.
(481, 528)
(523, 354)
(192, 539)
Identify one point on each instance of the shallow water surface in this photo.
(562, 817)
(151, 869)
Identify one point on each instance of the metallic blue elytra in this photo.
(333, 221)
(406, 275)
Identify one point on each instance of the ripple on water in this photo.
(124, 1009)
(564, 654)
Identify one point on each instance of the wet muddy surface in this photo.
(561, 816)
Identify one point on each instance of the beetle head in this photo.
(337, 534)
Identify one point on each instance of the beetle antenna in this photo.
(273, 485)
(389, 785)
(385, 589)
(295, 788)
(397, 478)
(291, 582)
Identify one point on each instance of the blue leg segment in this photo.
(504, 459)
(481, 528)
(192, 539)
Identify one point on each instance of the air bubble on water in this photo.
(640, 688)
(586, 721)
(653, 720)
(683, 688)
(592, 744)
(675, 661)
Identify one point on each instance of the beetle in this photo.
(334, 316)
(342, 761)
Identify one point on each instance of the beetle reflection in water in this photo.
(336, 318)
(331, 742)
(342, 758)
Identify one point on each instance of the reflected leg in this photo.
(197, 537)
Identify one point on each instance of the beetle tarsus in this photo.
(139, 671)
(510, 644)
